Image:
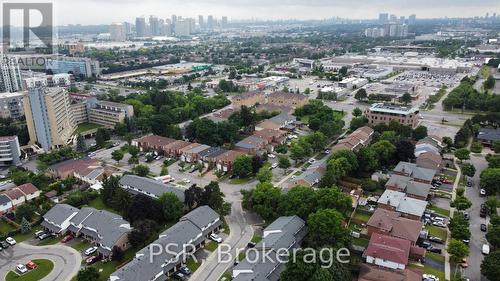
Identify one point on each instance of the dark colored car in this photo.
(483, 227)
(185, 270)
(4, 244)
(179, 276)
(436, 240)
(251, 244)
(425, 244)
(434, 250)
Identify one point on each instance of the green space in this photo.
(79, 246)
(440, 211)
(192, 264)
(85, 127)
(5, 227)
(241, 256)
(105, 269)
(211, 246)
(437, 231)
(241, 180)
(256, 238)
(226, 276)
(361, 216)
(28, 235)
(360, 242)
(430, 270)
(435, 257)
(43, 269)
(49, 241)
(99, 205)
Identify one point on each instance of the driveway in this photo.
(477, 236)
(66, 260)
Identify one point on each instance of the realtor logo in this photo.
(20, 30)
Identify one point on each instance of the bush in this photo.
(476, 147)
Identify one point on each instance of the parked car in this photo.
(21, 268)
(272, 156)
(483, 227)
(485, 249)
(179, 276)
(274, 166)
(482, 192)
(429, 277)
(439, 224)
(31, 265)
(38, 233)
(425, 244)
(90, 251)
(11, 241)
(251, 244)
(464, 263)
(67, 238)
(45, 235)
(216, 238)
(186, 180)
(311, 161)
(93, 259)
(436, 239)
(466, 216)
(466, 241)
(185, 270)
(435, 250)
(4, 244)
(469, 184)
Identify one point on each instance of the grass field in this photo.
(361, 216)
(360, 242)
(49, 241)
(256, 238)
(79, 246)
(226, 276)
(105, 269)
(435, 257)
(23, 237)
(191, 264)
(84, 127)
(43, 269)
(437, 231)
(99, 205)
(5, 227)
(241, 181)
(440, 211)
(211, 246)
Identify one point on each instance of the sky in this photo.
(109, 11)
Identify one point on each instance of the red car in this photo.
(31, 265)
(93, 259)
(67, 238)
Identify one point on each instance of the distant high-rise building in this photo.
(140, 27)
(201, 22)
(393, 18)
(154, 25)
(183, 27)
(10, 79)
(117, 32)
(49, 117)
(396, 30)
(210, 22)
(224, 22)
(383, 17)
(128, 28)
(412, 19)
(374, 32)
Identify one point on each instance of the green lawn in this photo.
(5, 227)
(49, 241)
(435, 272)
(360, 242)
(192, 265)
(105, 269)
(441, 211)
(241, 181)
(256, 238)
(79, 246)
(43, 269)
(435, 257)
(226, 276)
(23, 237)
(84, 127)
(211, 246)
(99, 205)
(361, 216)
(437, 231)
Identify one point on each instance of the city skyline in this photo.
(243, 9)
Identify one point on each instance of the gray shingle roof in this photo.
(488, 134)
(212, 152)
(202, 217)
(151, 186)
(4, 199)
(282, 119)
(415, 172)
(59, 213)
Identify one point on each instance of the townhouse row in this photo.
(13, 198)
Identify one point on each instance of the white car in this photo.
(11, 241)
(272, 156)
(90, 251)
(216, 238)
(186, 180)
(485, 249)
(311, 161)
(429, 277)
(482, 192)
(274, 166)
(21, 268)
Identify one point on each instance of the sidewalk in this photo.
(447, 266)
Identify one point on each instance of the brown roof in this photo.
(284, 95)
(395, 225)
(375, 273)
(51, 194)
(388, 248)
(14, 193)
(274, 108)
(266, 124)
(269, 134)
(417, 251)
(436, 158)
(154, 140)
(382, 219)
(74, 165)
(229, 156)
(179, 144)
(248, 95)
(189, 147)
(7, 138)
(28, 188)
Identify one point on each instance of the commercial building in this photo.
(48, 116)
(192, 230)
(11, 105)
(380, 113)
(284, 233)
(117, 32)
(79, 67)
(10, 75)
(10, 153)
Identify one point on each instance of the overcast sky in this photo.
(108, 11)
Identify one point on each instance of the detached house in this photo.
(398, 201)
(416, 173)
(391, 223)
(356, 140)
(253, 145)
(30, 191)
(413, 189)
(375, 273)
(388, 252)
(225, 161)
(16, 197)
(5, 204)
(153, 143)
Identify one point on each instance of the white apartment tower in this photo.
(10, 78)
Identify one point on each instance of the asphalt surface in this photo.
(66, 260)
(477, 236)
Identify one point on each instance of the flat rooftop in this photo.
(389, 108)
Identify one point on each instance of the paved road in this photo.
(66, 260)
(477, 236)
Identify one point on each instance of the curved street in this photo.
(66, 260)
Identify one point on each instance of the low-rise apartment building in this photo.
(10, 152)
(287, 99)
(380, 113)
(249, 99)
(149, 187)
(11, 105)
